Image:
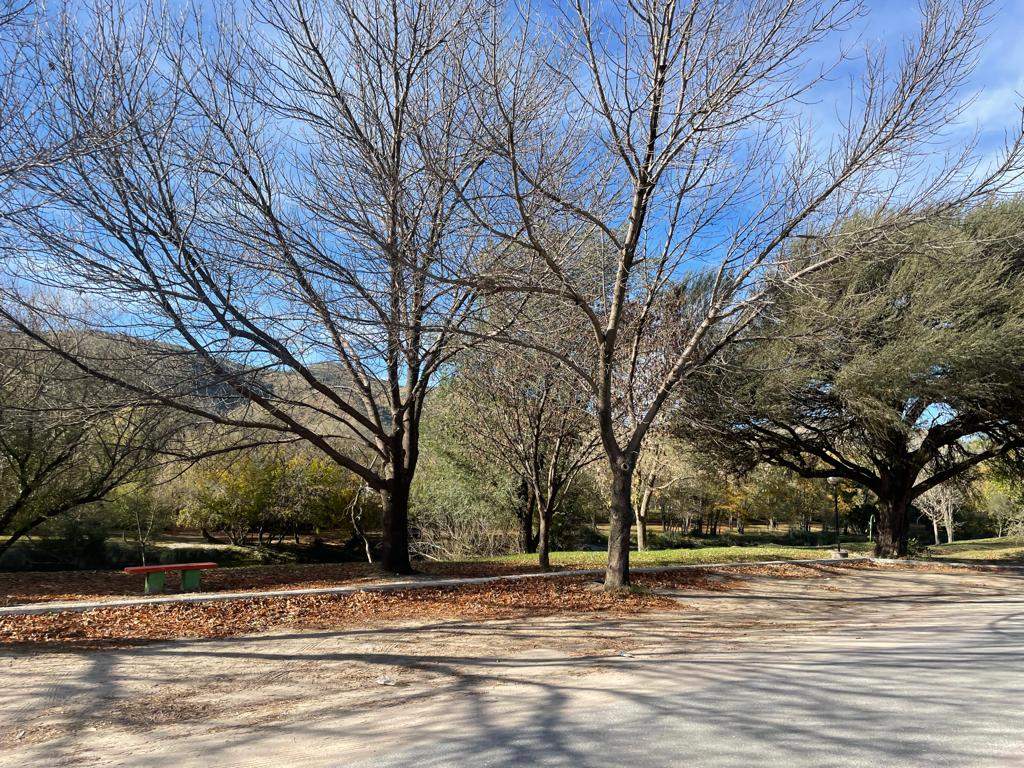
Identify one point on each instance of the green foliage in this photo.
(465, 499)
(573, 526)
(67, 440)
(915, 549)
(687, 556)
(902, 361)
(269, 493)
(141, 510)
(80, 538)
(461, 503)
(73, 540)
(1000, 501)
(780, 496)
(928, 315)
(1008, 551)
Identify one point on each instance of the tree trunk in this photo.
(526, 540)
(208, 537)
(641, 520)
(544, 538)
(620, 520)
(893, 527)
(395, 505)
(935, 531)
(524, 513)
(950, 526)
(641, 533)
(21, 532)
(142, 542)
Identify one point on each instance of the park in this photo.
(486, 382)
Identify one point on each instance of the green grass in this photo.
(692, 556)
(998, 551)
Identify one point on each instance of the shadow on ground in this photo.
(881, 667)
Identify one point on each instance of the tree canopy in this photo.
(899, 367)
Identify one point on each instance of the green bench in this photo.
(156, 575)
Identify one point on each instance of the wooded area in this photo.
(418, 279)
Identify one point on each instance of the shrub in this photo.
(270, 494)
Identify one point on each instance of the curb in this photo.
(30, 609)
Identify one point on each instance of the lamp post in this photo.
(834, 482)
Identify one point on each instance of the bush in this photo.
(77, 540)
(915, 548)
(267, 495)
(461, 506)
(572, 527)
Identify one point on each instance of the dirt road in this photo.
(872, 667)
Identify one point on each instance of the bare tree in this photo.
(658, 468)
(25, 142)
(18, 87)
(66, 441)
(268, 217)
(524, 412)
(670, 136)
(940, 504)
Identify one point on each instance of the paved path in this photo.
(850, 668)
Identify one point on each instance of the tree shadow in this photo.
(928, 676)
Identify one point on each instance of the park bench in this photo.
(155, 575)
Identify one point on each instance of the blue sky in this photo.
(998, 81)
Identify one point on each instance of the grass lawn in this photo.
(996, 551)
(689, 556)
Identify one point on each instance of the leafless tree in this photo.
(940, 505)
(672, 137)
(25, 143)
(66, 439)
(658, 468)
(18, 88)
(267, 218)
(525, 412)
(20, 145)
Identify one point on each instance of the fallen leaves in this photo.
(563, 593)
(29, 587)
(17, 588)
(43, 586)
(475, 602)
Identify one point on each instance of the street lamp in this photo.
(834, 482)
